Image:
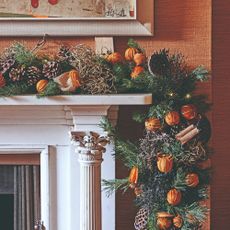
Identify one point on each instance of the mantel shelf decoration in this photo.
(169, 166)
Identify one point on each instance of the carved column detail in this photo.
(90, 146)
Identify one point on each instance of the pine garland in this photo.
(168, 172)
(172, 84)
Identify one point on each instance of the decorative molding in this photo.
(45, 168)
(90, 146)
(32, 124)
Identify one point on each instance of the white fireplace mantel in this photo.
(113, 99)
(30, 121)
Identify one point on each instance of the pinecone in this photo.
(65, 54)
(17, 74)
(141, 219)
(6, 64)
(32, 75)
(159, 63)
(51, 69)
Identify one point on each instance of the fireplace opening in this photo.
(19, 192)
(7, 211)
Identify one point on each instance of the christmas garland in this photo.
(169, 166)
(73, 70)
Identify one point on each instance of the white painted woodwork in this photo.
(46, 170)
(85, 100)
(45, 188)
(31, 124)
(90, 191)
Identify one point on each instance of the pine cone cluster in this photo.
(65, 54)
(51, 69)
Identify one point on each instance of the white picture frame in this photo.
(142, 24)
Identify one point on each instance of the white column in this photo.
(89, 140)
(90, 147)
(45, 188)
(90, 191)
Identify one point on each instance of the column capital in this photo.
(89, 145)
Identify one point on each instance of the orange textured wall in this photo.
(183, 26)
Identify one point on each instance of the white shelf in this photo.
(116, 99)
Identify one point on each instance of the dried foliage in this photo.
(96, 76)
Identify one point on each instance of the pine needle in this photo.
(13, 90)
(111, 186)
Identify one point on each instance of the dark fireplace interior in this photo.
(7, 211)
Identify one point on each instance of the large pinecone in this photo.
(141, 219)
(32, 75)
(51, 69)
(17, 74)
(5, 65)
(65, 54)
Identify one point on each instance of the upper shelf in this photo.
(116, 99)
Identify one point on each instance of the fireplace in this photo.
(42, 126)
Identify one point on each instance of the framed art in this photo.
(76, 17)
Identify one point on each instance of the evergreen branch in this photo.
(152, 222)
(128, 153)
(132, 43)
(203, 193)
(138, 117)
(111, 186)
(160, 110)
(14, 89)
(52, 89)
(200, 74)
(198, 211)
(107, 126)
(179, 181)
(23, 56)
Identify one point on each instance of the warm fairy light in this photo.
(188, 96)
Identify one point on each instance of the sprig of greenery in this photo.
(107, 126)
(128, 153)
(111, 186)
(200, 74)
(22, 55)
(14, 89)
(52, 89)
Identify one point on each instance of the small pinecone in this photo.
(17, 74)
(141, 219)
(65, 54)
(33, 75)
(51, 69)
(6, 64)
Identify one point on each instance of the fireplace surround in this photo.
(42, 126)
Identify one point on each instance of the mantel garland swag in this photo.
(170, 165)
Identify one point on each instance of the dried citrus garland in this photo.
(169, 168)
